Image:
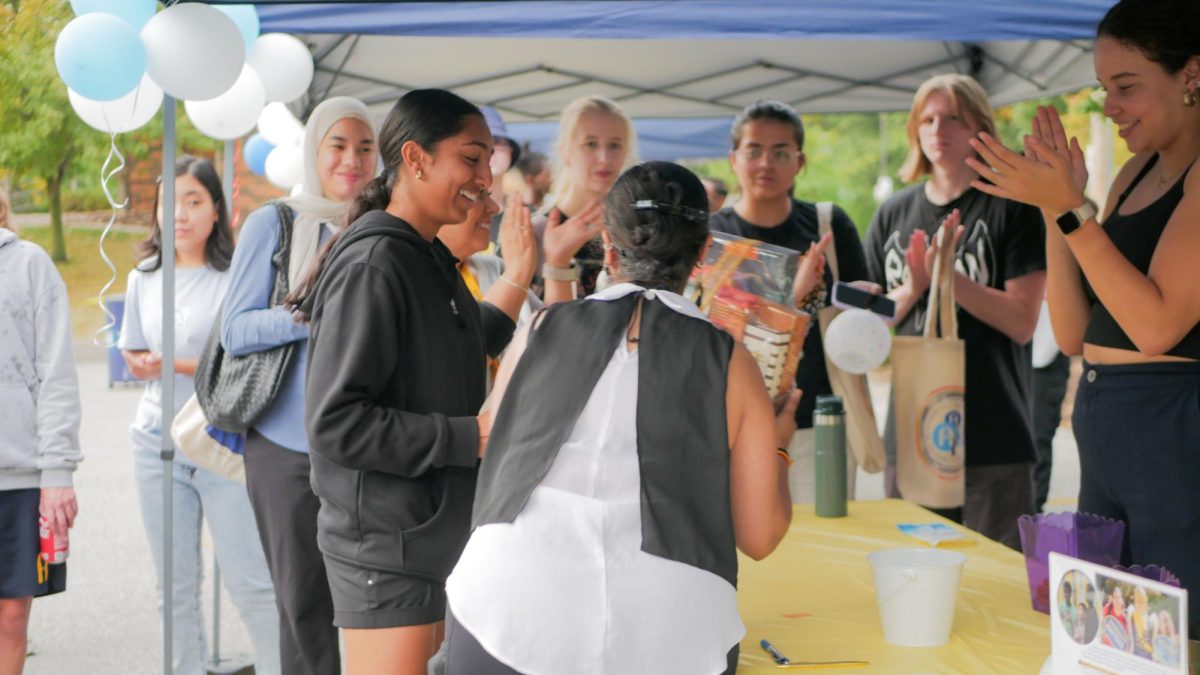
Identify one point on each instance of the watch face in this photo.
(1068, 222)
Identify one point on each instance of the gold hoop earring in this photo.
(1191, 97)
(420, 175)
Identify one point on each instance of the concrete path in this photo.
(107, 621)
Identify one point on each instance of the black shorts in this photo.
(22, 572)
(365, 598)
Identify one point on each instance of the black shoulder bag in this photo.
(234, 391)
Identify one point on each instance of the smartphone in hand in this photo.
(847, 296)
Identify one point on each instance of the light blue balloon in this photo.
(246, 19)
(135, 12)
(100, 56)
(255, 154)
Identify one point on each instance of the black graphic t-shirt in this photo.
(798, 232)
(1002, 240)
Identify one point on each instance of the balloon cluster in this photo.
(275, 151)
(118, 58)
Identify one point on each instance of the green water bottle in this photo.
(829, 425)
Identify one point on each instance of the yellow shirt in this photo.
(473, 286)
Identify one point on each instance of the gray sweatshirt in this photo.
(39, 389)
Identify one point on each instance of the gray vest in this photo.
(682, 436)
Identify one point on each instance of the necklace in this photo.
(1164, 178)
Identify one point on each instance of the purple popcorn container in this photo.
(1153, 573)
(1079, 535)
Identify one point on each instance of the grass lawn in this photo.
(85, 273)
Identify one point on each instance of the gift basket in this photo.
(745, 287)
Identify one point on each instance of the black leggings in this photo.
(465, 656)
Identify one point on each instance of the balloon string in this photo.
(107, 175)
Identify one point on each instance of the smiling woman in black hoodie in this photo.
(396, 376)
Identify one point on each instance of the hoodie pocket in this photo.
(432, 548)
(18, 429)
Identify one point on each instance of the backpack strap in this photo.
(825, 226)
(283, 252)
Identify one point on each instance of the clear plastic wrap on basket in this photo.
(745, 287)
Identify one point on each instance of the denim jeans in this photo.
(199, 493)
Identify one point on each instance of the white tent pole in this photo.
(168, 374)
(227, 185)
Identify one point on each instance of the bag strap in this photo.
(942, 315)
(283, 252)
(825, 226)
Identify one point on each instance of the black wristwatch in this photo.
(1073, 219)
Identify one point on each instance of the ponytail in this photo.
(374, 197)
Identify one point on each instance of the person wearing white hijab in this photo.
(340, 158)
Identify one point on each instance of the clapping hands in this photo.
(562, 240)
(517, 245)
(1051, 176)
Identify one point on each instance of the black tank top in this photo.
(1136, 236)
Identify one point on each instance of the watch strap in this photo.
(551, 273)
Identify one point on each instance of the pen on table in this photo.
(782, 661)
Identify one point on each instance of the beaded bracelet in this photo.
(519, 287)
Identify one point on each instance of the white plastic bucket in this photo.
(916, 590)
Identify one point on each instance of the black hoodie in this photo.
(396, 376)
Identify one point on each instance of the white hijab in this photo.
(313, 210)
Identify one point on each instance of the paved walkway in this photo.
(107, 621)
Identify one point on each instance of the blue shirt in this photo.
(251, 325)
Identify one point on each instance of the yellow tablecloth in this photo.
(814, 599)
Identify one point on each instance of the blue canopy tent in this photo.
(695, 62)
(681, 68)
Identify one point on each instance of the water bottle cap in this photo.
(829, 404)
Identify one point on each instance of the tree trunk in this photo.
(54, 184)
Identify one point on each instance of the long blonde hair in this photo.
(967, 96)
(569, 122)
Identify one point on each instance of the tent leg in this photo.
(168, 376)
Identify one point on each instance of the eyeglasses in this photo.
(777, 157)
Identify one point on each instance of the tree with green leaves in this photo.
(40, 135)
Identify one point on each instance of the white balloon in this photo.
(857, 341)
(285, 64)
(127, 113)
(232, 114)
(279, 126)
(193, 51)
(285, 166)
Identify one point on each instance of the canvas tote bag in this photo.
(190, 430)
(928, 376)
(862, 432)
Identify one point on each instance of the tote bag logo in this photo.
(940, 432)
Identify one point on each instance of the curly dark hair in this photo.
(1164, 30)
(657, 216)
